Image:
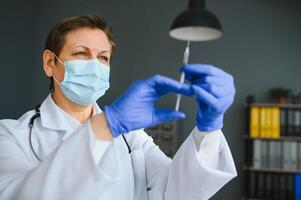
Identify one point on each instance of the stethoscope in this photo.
(37, 115)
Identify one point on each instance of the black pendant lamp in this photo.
(196, 24)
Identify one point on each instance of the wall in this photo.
(17, 39)
(261, 48)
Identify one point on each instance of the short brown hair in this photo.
(56, 37)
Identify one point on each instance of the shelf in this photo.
(282, 138)
(272, 153)
(275, 105)
(271, 170)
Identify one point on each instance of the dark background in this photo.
(261, 48)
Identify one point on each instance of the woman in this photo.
(67, 148)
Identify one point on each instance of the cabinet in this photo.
(166, 136)
(272, 165)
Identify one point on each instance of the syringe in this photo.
(182, 78)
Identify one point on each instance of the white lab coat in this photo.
(77, 166)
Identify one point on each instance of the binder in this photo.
(269, 122)
(263, 122)
(254, 122)
(290, 186)
(260, 185)
(275, 122)
(256, 186)
(299, 155)
(278, 154)
(290, 122)
(282, 186)
(272, 163)
(275, 186)
(252, 186)
(298, 187)
(264, 153)
(283, 122)
(294, 155)
(297, 122)
(268, 186)
(286, 159)
(257, 154)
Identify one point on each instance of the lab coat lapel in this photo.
(53, 117)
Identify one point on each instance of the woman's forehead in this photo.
(87, 37)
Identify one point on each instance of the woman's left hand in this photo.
(214, 92)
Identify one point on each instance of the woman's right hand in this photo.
(135, 109)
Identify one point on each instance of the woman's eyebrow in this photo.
(85, 47)
(105, 51)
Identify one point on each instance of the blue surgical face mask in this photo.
(85, 81)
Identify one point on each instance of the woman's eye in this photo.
(105, 58)
(80, 53)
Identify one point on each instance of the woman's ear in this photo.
(48, 63)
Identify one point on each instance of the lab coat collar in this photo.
(53, 117)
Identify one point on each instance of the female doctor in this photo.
(67, 148)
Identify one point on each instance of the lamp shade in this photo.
(196, 24)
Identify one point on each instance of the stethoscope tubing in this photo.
(31, 123)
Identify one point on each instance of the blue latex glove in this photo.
(214, 92)
(135, 109)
